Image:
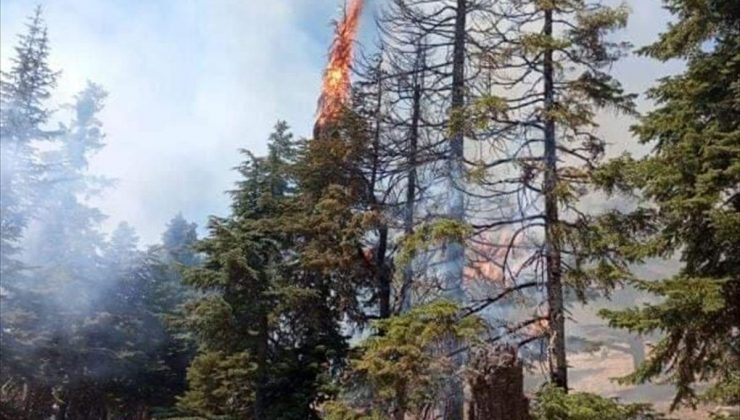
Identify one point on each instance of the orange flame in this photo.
(486, 256)
(335, 89)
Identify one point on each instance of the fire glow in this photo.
(335, 88)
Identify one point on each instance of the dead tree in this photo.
(547, 70)
(495, 379)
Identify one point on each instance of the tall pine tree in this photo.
(691, 208)
(24, 113)
(24, 91)
(267, 322)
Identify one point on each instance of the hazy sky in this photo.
(192, 81)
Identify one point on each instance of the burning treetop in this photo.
(335, 88)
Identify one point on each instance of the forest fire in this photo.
(335, 88)
(435, 250)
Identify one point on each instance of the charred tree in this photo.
(496, 382)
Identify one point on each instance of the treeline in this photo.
(86, 319)
(439, 223)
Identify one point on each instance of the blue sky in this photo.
(192, 81)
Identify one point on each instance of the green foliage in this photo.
(83, 323)
(553, 403)
(338, 410)
(438, 232)
(406, 366)
(221, 383)
(698, 21)
(689, 187)
(689, 346)
(276, 281)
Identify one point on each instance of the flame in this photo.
(335, 89)
(485, 257)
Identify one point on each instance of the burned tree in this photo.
(496, 380)
(548, 78)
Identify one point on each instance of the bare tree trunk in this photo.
(383, 273)
(637, 350)
(455, 251)
(412, 150)
(556, 315)
(455, 263)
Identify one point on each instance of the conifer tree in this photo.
(547, 78)
(66, 236)
(691, 205)
(64, 247)
(168, 343)
(267, 324)
(178, 241)
(24, 90)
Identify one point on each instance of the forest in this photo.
(421, 256)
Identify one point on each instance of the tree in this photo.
(24, 91)
(547, 64)
(165, 296)
(66, 234)
(83, 331)
(268, 321)
(691, 205)
(554, 403)
(178, 241)
(406, 370)
(64, 245)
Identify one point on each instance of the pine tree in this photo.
(24, 91)
(66, 235)
(691, 205)
(165, 296)
(267, 324)
(406, 370)
(178, 241)
(548, 76)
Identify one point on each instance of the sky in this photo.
(191, 82)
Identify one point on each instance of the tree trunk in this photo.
(496, 382)
(384, 274)
(455, 261)
(637, 350)
(556, 316)
(400, 410)
(413, 144)
(455, 252)
(260, 401)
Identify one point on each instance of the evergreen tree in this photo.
(178, 242)
(267, 323)
(24, 90)
(151, 286)
(549, 76)
(406, 370)
(689, 184)
(64, 245)
(66, 238)
(554, 403)
(166, 299)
